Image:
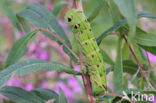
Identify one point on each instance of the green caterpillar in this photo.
(81, 27)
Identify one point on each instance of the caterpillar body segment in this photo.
(81, 27)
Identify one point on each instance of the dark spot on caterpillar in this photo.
(98, 65)
(90, 29)
(86, 43)
(69, 19)
(77, 26)
(100, 75)
(93, 56)
(104, 87)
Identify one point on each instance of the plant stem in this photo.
(8, 34)
(139, 64)
(60, 39)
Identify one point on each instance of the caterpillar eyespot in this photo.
(69, 19)
(81, 27)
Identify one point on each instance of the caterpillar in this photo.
(96, 70)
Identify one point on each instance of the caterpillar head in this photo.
(74, 18)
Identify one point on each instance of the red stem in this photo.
(87, 82)
(139, 64)
(8, 34)
(75, 4)
(60, 39)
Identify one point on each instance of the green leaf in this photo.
(111, 29)
(46, 94)
(109, 69)
(24, 23)
(125, 51)
(128, 9)
(96, 11)
(19, 48)
(152, 78)
(106, 57)
(41, 17)
(62, 97)
(20, 95)
(118, 69)
(58, 7)
(121, 23)
(128, 67)
(9, 12)
(151, 49)
(138, 53)
(144, 38)
(146, 15)
(72, 57)
(24, 67)
(114, 11)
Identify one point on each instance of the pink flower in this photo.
(14, 81)
(152, 57)
(29, 86)
(67, 91)
(72, 82)
(76, 68)
(44, 84)
(44, 55)
(50, 6)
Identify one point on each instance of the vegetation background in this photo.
(16, 22)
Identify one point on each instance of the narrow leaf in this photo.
(96, 11)
(146, 15)
(128, 9)
(46, 94)
(121, 23)
(9, 12)
(43, 18)
(25, 67)
(24, 23)
(151, 49)
(128, 67)
(62, 97)
(144, 38)
(19, 48)
(152, 78)
(111, 29)
(106, 57)
(118, 69)
(20, 95)
(138, 53)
